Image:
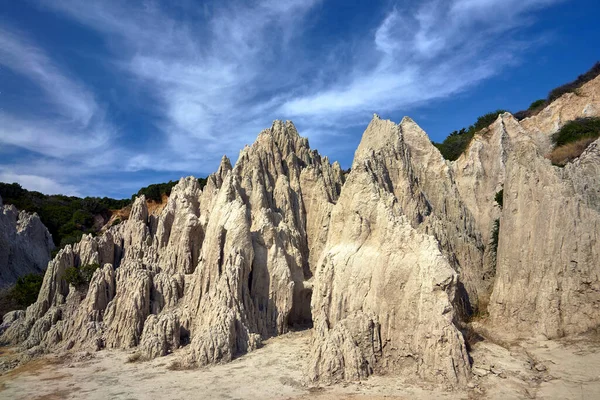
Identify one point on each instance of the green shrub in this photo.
(578, 129)
(87, 271)
(82, 275)
(82, 218)
(27, 288)
(73, 277)
(457, 142)
(537, 104)
(155, 191)
(74, 237)
(499, 198)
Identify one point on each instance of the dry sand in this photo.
(534, 369)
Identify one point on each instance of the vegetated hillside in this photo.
(69, 217)
(458, 141)
(555, 93)
(66, 217)
(155, 191)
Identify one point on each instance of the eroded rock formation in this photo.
(384, 291)
(387, 262)
(25, 244)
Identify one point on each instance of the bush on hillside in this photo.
(458, 141)
(67, 218)
(79, 276)
(576, 130)
(537, 104)
(455, 144)
(155, 191)
(562, 155)
(27, 288)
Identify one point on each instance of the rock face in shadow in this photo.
(25, 244)
(387, 262)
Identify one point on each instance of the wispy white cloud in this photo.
(211, 77)
(440, 48)
(39, 183)
(63, 123)
(73, 102)
(204, 79)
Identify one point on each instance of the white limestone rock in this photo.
(25, 244)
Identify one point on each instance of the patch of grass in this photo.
(576, 130)
(562, 155)
(572, 140)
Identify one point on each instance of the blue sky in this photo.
(101, 98)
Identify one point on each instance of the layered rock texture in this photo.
(386, 262)
(25, 244)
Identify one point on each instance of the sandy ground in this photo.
(540, 369)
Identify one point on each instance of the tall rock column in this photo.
(383, 291)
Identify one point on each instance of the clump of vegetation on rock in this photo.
(458, 141)
(23, 294)
(576, 84)
(572, 140)
(499, 198)
(82, 275)
(495, 238)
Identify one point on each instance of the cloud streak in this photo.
(442, 48)
(210, 78)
